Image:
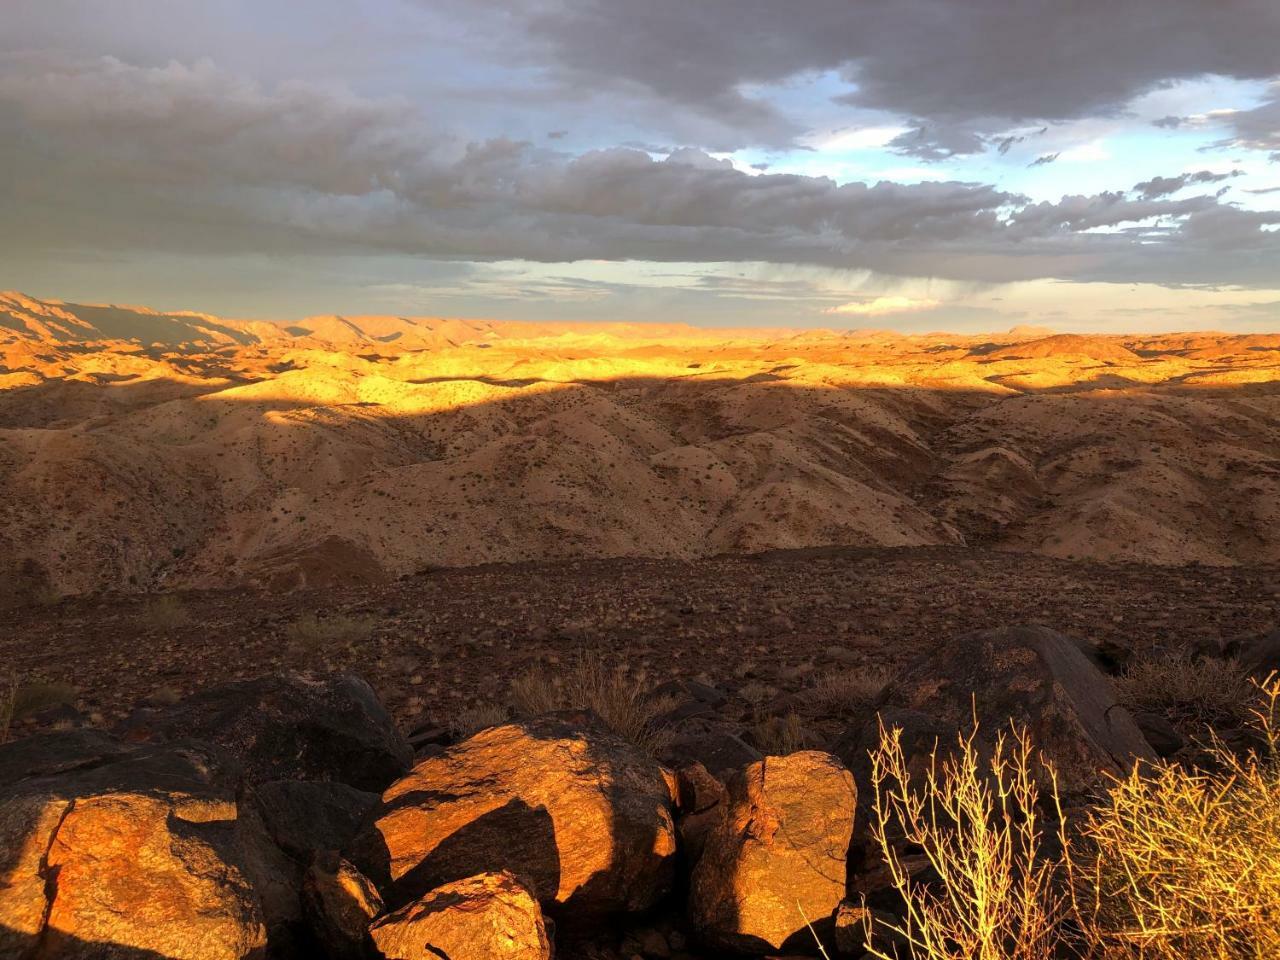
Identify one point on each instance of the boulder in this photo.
(477, 918)
(340, 904)
(716, 745)
(306, 816)
(582, 815)
(776, 857)
(1028, 674)
(700, 798)
(131, 853)
(1260, 655)
(287, 728)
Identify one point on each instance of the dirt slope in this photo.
(226, 454)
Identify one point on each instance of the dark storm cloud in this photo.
(1163, 186)
(974, 64)
(934, 143)
(107, 155)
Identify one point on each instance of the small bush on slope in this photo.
(1191, 693)
(590, 684)
(311, 635)
(976, 822)
(1177, 864)
(18, 700)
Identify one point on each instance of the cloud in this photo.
(175, 157)
(1044, 159)
(883, 307)
(934, 143)
(983, 65)
(1163, 186)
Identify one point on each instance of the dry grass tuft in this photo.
(780, 736)
(471, 720)
(1191, 692)
(19, 700)
(849, 690)
(165, 613)
(1176, 864)
(591, 684)
(311, 635)
(976, 822)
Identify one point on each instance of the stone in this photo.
(129, 853)
(1030, 675)
(340, 904)
(699, 799)
(305, 816)
(583, 816)
(776, 859)
(716, 746)
(483, 917)
(287, 728)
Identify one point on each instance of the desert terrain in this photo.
(142, 451)
(396, 637)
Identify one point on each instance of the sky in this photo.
(967, 165)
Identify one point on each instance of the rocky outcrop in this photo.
(476, 918)
(126, 854)
(580, 814)
(340, 904)
(1031, 675)
(288, 728)
(303, 817)
(775, 860)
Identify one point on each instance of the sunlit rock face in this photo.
(581, 815)
(476, 918)
(129, 855)
(775, 861)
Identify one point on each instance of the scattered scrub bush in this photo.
(780, 736)
(471, 720)
(19, 700)
(591, 684)
(976, 822)
(1175, 863)
(1192, 693)
(847, 691)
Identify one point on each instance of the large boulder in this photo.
(581, 814)
(775, 860)
(476, 918)
(124, 854)
(288, 728)
(1031, 675)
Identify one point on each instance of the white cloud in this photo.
(884, 306)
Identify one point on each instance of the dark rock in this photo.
(1261, 655)
(1027, 674)
(716, 746)
(1160, 733)
(288, 728)
(303, 816)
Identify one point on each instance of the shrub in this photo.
(18, 700)
(975, 821)
(779, 736)
(1179, 864)
(850, 690)
(471, 720)
(590, 684)
(1192, 693)
(310, 634)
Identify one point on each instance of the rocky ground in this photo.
(763, 628)
(217, 781)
